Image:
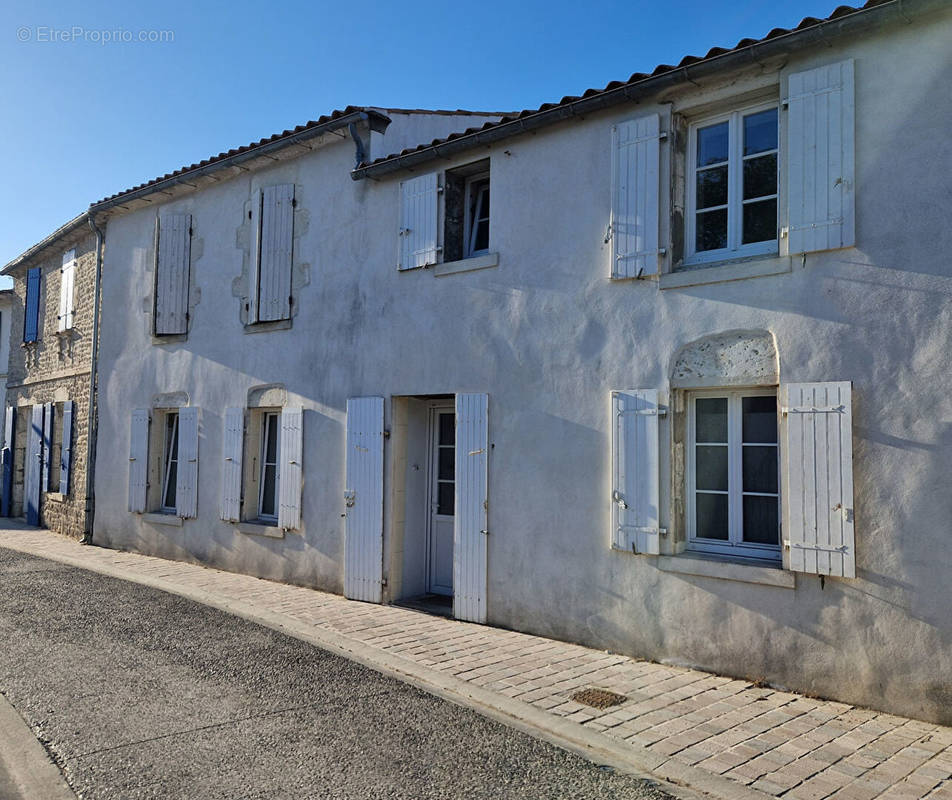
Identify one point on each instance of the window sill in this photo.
(466, 265)
(727, 570)
(724, 271)
(264, 327)
(259, 529)
(56, 497)
(170, 338)
(163, 519)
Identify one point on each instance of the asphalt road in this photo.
(137, 694)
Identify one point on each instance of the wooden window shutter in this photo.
(31, 319)
(67, 280)
(636, 196)
(138, 460)
(419, 215)
(232, 448)
(34, 466)
(173, 255)
(636, 478)
(47, 449)
(363, 499)
(186, 484)
(817, 449)
(66, 449)
(471, 521)
(274, 253)
(820, 145)
(290, 473)
(9, 432)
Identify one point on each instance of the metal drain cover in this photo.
(598, 698)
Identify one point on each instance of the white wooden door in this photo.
(442, 483)
(471, 507)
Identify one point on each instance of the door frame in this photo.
(434, 407)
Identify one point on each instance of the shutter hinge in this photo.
(662, 134)
(350, 497)
(290, 300)
(249, 215)
(189, 230)
(293, 202)
(439, 190)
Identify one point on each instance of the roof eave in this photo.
(825, 30)
(374, 119)
(64, 230)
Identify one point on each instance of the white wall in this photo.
(548, 336)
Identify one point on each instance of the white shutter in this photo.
(636, 189)
(275, 236)
(290, 474)
(186, 484)
(470, 524)
(232, 444)
(817, 442)
(418, 222)
(820, 144)
(363, 498)
(138, 460)
(172, 274)
(67, 280)
(636, 479)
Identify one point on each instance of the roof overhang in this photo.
(56, 236)
(822, 32)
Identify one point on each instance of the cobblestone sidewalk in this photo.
(714, 734)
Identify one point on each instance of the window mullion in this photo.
(734, 187)
(735, 484)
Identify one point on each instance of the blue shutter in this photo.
(66, 451)
(31, 322)
(34, 466)
(7, 459)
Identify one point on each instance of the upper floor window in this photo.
(172, 259)
(268, 486)
(67, 307)
(170, 463)
(477, 215)
(732, 185)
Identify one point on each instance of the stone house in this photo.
(679, 391)
(51, 335)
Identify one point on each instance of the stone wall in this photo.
(54, 369)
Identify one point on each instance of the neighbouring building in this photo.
(6, 307)
(50, 334)
(679, 391)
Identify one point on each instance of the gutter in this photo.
(92, 412)
(636, 91)
(374, 119)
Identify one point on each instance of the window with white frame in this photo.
(268, 480)
(170, 460)
(477, 215)
(733, 464)
(732, 185)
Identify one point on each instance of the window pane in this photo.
(271, 440)
(711, 516)
(760, 419)
(760, 469)
(711, 231)
(447, 465)
(169, 500)
(760, 176)
(760, 221)
(712, 144)
(712, 187)
(444, 499)
(760, 132)
(481, 242)
(760, 520)
(711, 467)
(171, 438)
(267, 492)
(710, 414)
(447, 429)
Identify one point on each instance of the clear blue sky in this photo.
(83, 119)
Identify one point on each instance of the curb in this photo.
(591, 745)
(26, 762)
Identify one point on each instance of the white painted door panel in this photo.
(363, 496)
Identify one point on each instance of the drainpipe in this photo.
(92, 411)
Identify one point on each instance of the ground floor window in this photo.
(733, 473)
(268, 480)
(170, 463)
